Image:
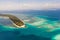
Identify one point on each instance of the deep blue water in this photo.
(31, 32)
(50, 13)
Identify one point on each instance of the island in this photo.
(16, 21)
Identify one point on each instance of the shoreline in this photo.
(16, 22)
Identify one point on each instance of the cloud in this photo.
(9, 6)
(40, 6)
(28, 6)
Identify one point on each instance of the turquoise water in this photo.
(37, 27)
(31, 32)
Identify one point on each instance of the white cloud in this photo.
(9, 6)
(40, 6)
(25, 6)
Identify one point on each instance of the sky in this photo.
(29, 4)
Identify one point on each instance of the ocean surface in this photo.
(40, 25)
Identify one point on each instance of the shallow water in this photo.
(37, 28)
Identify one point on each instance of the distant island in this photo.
(17, 22)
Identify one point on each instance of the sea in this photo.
(39, 25)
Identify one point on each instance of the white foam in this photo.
(4, 17)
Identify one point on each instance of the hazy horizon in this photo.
(29, 4)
